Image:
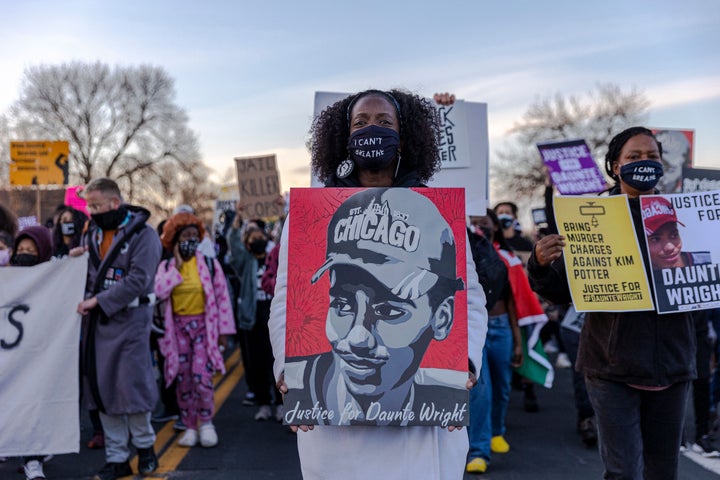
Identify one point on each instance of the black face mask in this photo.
(111, 219)
(25, 260)
(488, 232)
(258, 247)
(187, 248)
(373, 147)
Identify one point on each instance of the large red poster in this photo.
(377, 307)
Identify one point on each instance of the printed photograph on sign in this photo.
(677, 152)
(571, 167)
(602, 257)
(681, 231)
(376, 307)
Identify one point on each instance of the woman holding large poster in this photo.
(357, 142)
(638, 365)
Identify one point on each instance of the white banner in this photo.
(39, 357)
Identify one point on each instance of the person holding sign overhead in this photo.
(405, 127)
(638, 365)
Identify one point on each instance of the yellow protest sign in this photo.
(602, 256)
(39, 163)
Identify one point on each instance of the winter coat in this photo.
(246, 268)
(118, 373)
(218, 311)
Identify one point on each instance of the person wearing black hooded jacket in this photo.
(638, 365)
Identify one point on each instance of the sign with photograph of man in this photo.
(376, 307)
(677, 152)
(681, 234)
(603, 262)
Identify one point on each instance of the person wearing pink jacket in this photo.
(197, 316)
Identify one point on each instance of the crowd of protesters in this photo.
(185, 295)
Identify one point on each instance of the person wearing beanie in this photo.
(198, 317)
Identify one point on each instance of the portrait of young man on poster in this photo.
(391, 265)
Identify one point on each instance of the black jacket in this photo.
(641, 348)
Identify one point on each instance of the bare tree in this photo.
(121, 123)
(596, 118)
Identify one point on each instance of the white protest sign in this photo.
(463, 149)
(39, 342)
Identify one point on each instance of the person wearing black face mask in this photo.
(124, 252)
(33, 245)
(67, 233)
(248, 245)
(197, 320)
(637, 365)
(345, 135)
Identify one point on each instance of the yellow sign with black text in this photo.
(39, 163)
(602, 255)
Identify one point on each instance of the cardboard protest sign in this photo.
(681, 234)
(677, 152)
(700, 179)
(376, 307)
(603, 261)
(39, 333)
(259, 186)
(39, 163)
(463, 148)
(571, 167)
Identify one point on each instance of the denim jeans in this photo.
(489, 398)
(639, 431)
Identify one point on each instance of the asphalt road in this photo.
(544, 445)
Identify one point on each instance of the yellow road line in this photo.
(166, 437)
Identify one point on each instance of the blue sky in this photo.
(246, 72)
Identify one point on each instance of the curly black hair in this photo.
(619, 141)
(419, 135)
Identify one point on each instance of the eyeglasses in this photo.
(97, 207)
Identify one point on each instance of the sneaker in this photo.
(279, 413)
(97, 441)
(147, 460)
(476, 465)
(34, 470)
(704, 447)
(249, 400)
(499, 445)
(588, 432)
(164, 416)
(551, 346)
(208, 435)
(112, 471)
(189, 438)
(264, 413)
(563, 361)
(683, 446)
(179, 426)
